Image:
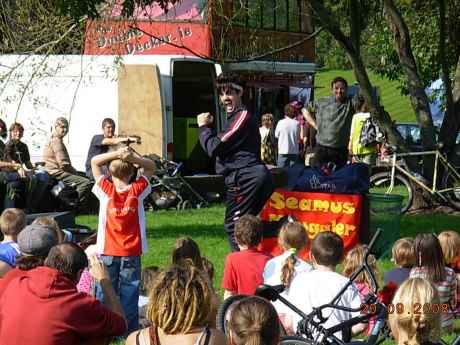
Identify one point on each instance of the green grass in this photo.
(395, 104)
(205, 226)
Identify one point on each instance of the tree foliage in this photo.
(36, 26)
(422, 20)
(92, 8)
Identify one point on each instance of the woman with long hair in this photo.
(180, 310)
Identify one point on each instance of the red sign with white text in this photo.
(151, 38)
(339, 213)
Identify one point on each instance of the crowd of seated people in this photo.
(23, 184)
(88, 297)
(179, 302)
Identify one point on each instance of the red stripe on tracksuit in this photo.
(237, 124)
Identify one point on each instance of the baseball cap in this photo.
(36, 240)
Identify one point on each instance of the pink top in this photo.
(364, 290)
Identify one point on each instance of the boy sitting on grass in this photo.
(243, 270)
(121, 236)
(315, 288)
(12, 221)
(403, 256)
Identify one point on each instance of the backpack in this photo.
(370, 133)
(268, 150)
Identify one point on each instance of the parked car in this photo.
(411, 134)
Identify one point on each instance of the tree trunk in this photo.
(451, 122)
(417, 92)
(365, 87)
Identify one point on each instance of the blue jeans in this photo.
(125, 274)
(287, 160)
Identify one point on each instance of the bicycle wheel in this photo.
(380, 183)
(295, 340)
(449, 180)
(223, 313)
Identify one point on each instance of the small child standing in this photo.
(121, 237)
(363, 283)
(283, 269)
(12, 221)
(403, 256)
(243, 270)
(450, 244)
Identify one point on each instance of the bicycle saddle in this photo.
(269, 292)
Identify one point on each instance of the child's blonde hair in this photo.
(354, 259)
(450, 244)
(415, 326)
(60, 235)
(267, 118)
(403, 252)
(292, 237)
(121, 169)
(12, 221)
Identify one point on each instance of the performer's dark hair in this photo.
(226, 79)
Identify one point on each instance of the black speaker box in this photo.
(64, 219)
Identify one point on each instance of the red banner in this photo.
(339, 213)
(151, 38)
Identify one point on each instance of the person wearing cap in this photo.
(331, 116)
(287, 133)
(60, 314)
(34, 242)
(58, 164)
(236, 150)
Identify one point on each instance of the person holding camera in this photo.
(100, 143)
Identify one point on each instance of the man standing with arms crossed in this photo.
(236, 149)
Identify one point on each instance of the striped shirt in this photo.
(446, 291)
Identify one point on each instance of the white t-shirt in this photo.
(272, 276)
(288, 133)
(319, 287)
(263, 132)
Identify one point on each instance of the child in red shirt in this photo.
(121, 235)
(243, 270)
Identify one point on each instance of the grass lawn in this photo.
(398, 106)
(205, 226)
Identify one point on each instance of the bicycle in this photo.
(310, 330)
(400, 180)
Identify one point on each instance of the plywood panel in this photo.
(140, 108)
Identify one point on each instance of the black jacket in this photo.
(237, 146)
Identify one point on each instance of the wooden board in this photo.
(140, 107)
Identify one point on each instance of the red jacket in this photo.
(43, 307)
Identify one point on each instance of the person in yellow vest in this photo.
(358, 151)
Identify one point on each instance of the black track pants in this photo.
(247, 191)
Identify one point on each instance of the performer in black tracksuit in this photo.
(236, 149)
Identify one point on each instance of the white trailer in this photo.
(154, 96)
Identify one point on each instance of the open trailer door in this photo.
(140, 109)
